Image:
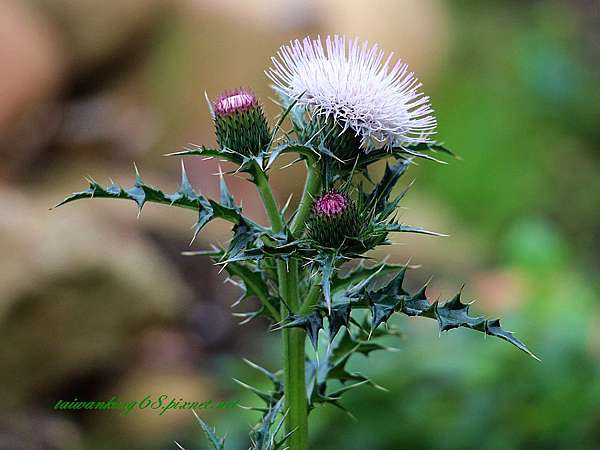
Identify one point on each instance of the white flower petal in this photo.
(353, 83)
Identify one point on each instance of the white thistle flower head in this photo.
(352, 83)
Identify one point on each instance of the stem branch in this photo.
(311, 299)
(311, 188)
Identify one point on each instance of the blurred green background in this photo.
(95, 302)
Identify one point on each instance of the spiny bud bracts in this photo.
(335, 219)
(240, 124)
(326, 132)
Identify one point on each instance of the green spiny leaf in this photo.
(263, 436)
(406, 151)
(253, 283)
(341, 282)
(297, 112)
(244, 235)
(208, 153)
(418, 304)
(288, 108)
(271, 376)
(291, 147)
(142, 193)
(333, 367)
(216, 442)
(493, 328)
(225, 197)
(339, 316)
(327, 265)
(264, 396)
(396, 227)
(452, 314)
(430, 146)
(381, 193)
(312, 323)
(382, 306)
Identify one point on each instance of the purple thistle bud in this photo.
(331, 204)
(240, 124)
(233, 102)
(335, 220)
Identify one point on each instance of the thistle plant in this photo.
(344, 107)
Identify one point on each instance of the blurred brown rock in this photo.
(33, 431)
(74, 294)
(94, 31)
(32, 60)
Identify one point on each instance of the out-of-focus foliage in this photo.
(520, 99)
(451, 400)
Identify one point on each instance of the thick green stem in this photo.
(269, 202)
(294, 371)
(311, 188)
(296, 403)
(293, 339)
